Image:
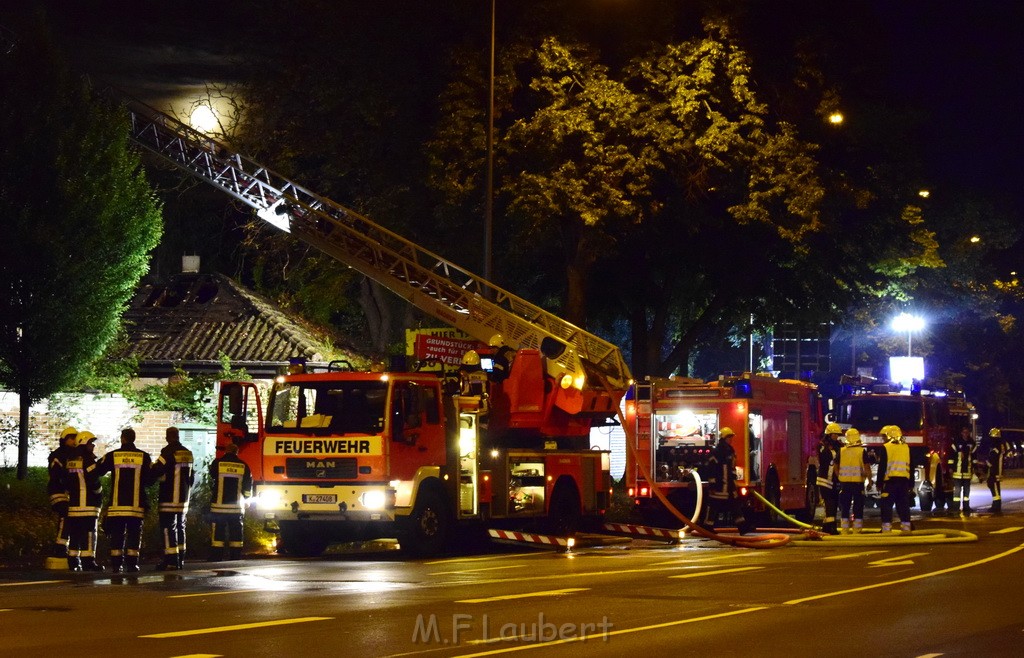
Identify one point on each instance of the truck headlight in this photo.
(375, 499)
(268, 499)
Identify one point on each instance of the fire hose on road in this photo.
(875, 537)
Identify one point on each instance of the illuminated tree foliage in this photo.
(79, 221)
(666, 193)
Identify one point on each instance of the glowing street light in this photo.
(908, 323)
(203, 118)
(836, 118)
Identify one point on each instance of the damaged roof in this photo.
(193, 319)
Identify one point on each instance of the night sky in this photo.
(958, 63)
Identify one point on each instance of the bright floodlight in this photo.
(203, 119)
(836, 118)
(907, 322)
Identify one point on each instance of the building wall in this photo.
(105, 415)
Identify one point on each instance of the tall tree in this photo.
(669, 178)
(79, 221)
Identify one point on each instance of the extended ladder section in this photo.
(433, 284)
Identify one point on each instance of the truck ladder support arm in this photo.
(433, 284)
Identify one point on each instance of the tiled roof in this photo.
(196, 318)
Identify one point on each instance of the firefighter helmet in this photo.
(833, 428)
(471, 358)
(67, 432)
(726, 432)
(893, 432)
(84, 437)
(995, 433)
(852, 437)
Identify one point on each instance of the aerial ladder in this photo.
(586, 366)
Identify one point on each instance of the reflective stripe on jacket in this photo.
(83, 486)
(173, 469)
(897, 460)
(851, 464)
(826, 465)
(232, 484)
(129, 469)
(960, 462)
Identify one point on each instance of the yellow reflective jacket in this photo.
(897, 460)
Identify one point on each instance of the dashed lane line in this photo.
(896, 560)
(218, 593)
(509, 597)
(847, 556)
(235, 627)
(700, 574)
(461, 571)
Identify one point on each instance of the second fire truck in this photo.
(777, 423)
(929, 418)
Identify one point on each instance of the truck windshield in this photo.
(871, 414)
(327, 408)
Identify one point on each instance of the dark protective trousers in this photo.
(898, 490)
(125, 533)
(172, 525)
(226, 532)
(961, 495)
(830, 502)
(996, 487)
(81, 536)
(851, 500)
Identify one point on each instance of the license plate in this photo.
(328, 499)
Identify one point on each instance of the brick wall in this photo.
(102, 414)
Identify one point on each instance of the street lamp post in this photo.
(489, 200)
(908, 323)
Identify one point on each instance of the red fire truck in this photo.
(777, 422)
(352, 455)
(929, 419)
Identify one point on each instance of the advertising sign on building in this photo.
(444, 345)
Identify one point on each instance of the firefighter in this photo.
(894, 471)
(58, 494)
(853, 473)
(129, 468)
(996, 452)
(173, 470)
(935, 479)
(959, 459)
(230, 484)
(827, 457)
(721, 471)
(81, 478)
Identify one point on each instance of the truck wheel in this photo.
(299, 540)
(925, 498)
(773, 494)
(429, 526)
(564, 511)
